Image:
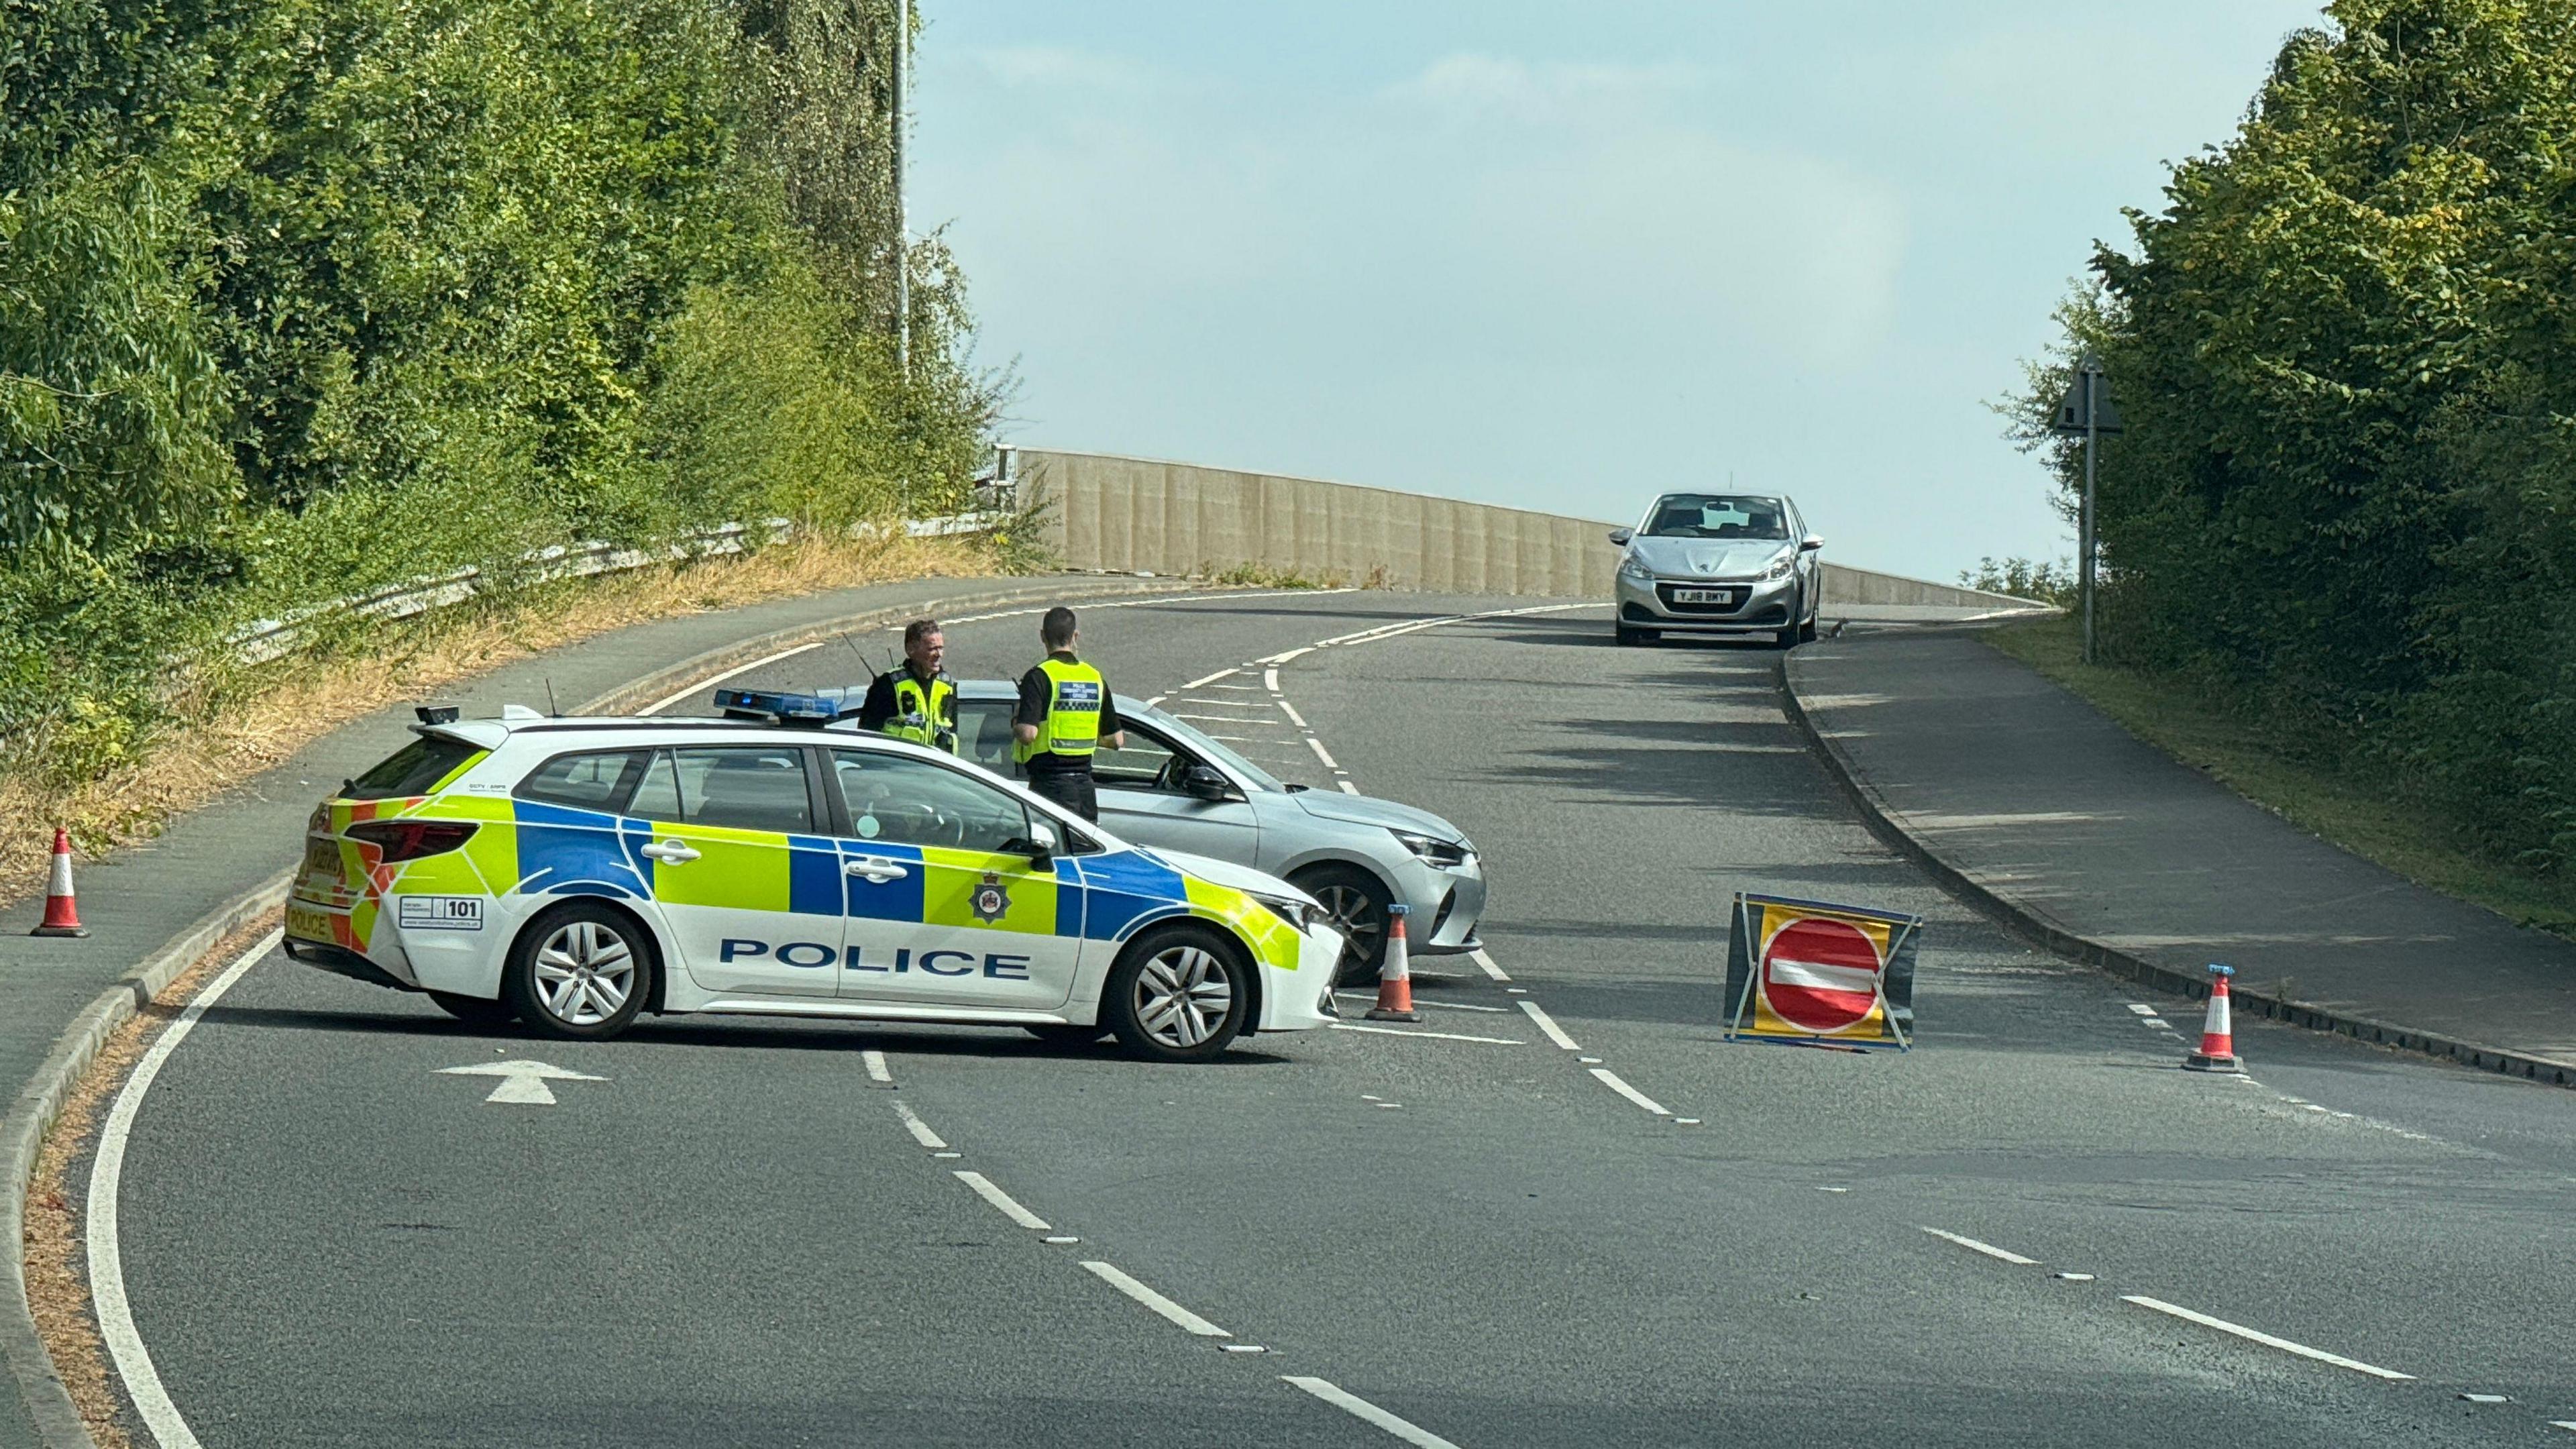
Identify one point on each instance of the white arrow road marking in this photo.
(521, 1082)
(1361, 1409)
(2265, 1339)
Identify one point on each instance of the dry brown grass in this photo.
(297, 699)
(57, 1260)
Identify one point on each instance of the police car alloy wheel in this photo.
(1176, 995)
(580, 971)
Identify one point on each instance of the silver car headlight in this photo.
(1780, 567)
(1634, 570)
(1431, 850)
(1302, 916)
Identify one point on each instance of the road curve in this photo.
(1591, 1222)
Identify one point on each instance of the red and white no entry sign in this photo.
(1820, 975)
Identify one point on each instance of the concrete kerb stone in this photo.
(40, 1103)
(1888, 824)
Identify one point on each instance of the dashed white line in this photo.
(1989, 1249)
(1109, 1273)
(1611, 1080)
(1361, 1409)
(1434, 1035)
(1321, 753)
(919, 1129)
(2265, 1339)
(1347, 787)
(1270, 678)
(1290, 710)
(877, 1071)
(1003, 1202)
(1486, 963)
(2142, 1009)
(1205, 680)
(1548, 1025)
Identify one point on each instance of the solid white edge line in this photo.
(151, 1400)
(2265, 1339)
(710, 682)
(877, 1070)
(1109, 1273)
(1487, 963)
(1205, 680)
(1008, 1205)
(1435, 1035)
(1321, 753)
(1548, 1024)
(1290, 710)
(1611, 1080)
(1989, 1249)
(919, 1129)
(1359, 1408)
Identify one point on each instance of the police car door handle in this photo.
(669, 852)
(876, 868)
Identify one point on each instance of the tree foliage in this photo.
(2347, 491)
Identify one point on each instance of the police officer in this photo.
(1065, 713)
(918, 701)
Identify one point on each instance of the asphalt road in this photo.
(735, 1238)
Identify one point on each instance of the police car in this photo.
(575, 873)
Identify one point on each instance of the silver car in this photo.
(1174, 787)
(1718, 564)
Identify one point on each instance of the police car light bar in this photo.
(436, 714)
(778, 707)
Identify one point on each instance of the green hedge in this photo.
(300, 298)
(2347, 493)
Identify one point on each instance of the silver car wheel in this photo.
(1183, 995)
(1349, 911)
(584, 973)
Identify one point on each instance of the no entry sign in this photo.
(1806, 971)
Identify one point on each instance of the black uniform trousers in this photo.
(1072, 789)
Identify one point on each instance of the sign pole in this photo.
(2092, 447)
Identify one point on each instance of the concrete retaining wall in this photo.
(1171, 518)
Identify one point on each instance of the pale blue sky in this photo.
(1564, 257)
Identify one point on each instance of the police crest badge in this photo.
(991, 902)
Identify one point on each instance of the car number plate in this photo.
(322, 858)
(1703, 596)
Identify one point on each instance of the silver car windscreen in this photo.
(1181, 730)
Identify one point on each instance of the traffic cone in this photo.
(1394, 976)
(62, 914)
(2217, 1037)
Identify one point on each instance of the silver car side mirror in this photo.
(1812, 544)
(1620, 536)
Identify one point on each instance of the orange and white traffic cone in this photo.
(2217, 1035)
(62, 913)
(1395, 975)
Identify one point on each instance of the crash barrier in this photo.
(1395, 973)
(2217, 1032)
(1133, 515)
(1804, 973)
(270, 639)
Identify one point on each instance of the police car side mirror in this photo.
(1207, 782)
(1620, 536)
(1038, 845)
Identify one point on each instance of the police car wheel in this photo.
(1356, 902)
(480, 1010)
(579, 972)
(1177, 994)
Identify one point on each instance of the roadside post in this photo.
(1804, 973)
(2087, 409)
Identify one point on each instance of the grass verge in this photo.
(218, 741)
(2341, 808)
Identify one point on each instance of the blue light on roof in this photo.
(780, 705)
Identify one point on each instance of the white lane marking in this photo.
(1062, 1238)
(1434, 1035)
(1155, 700)
(1487, 962)
(1442, 1005)
(1108, 1273)
(2076, 1277)
(1290, 710)
(522, 1082)
(739, 670)
(1361, 1409)
(2142, 1009)
(1611, 1080)
(2487, 1398)
(1347, 787)
(1989, 1249)
(1321, 753)
(2265, 1339)
(1008, 1205)
(2569, 1424)
(1548, 1024)
(1270, 677)
(1205, 680)
(877, 1067)
(1275, 660)
(106, 1250)
(1222, 718)
(919, 1129)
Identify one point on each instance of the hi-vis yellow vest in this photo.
(936, 708)
(1072, 726)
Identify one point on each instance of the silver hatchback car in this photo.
(1174, 787)
(1719, 564)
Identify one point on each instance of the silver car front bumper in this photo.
(1442, 906)
(1757, 607)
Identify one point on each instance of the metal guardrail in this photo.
(272, 639)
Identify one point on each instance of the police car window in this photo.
(1143, 765)
(584, 782)
(914, 802)
(413, 769)
(984, 732)
(742, 787)
(1704, 515)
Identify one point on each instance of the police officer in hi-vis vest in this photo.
(917, 702)
(1065, 713)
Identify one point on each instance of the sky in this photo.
(1564, 257)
